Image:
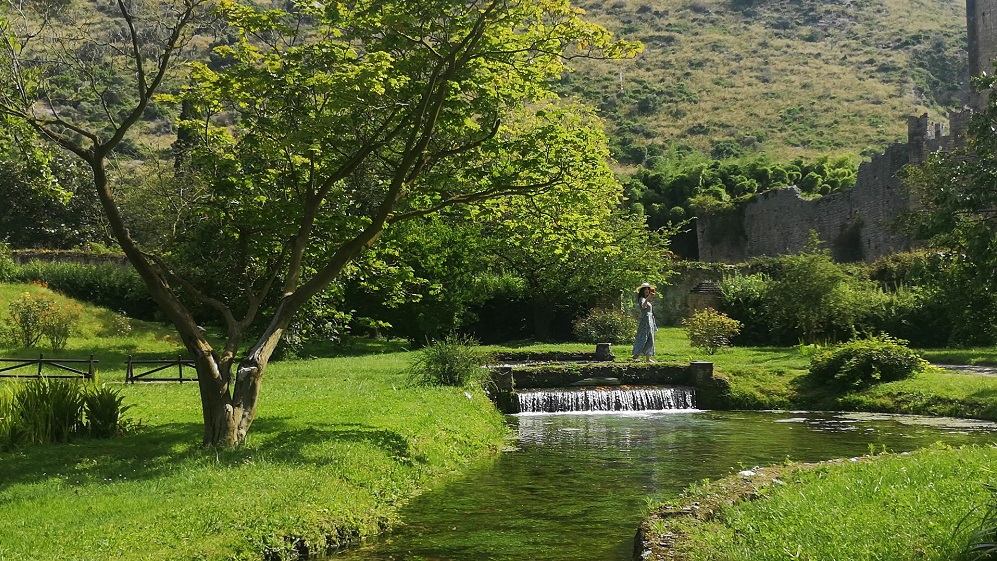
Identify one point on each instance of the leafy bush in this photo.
(862, 362)
(605, 326)
(454, 360)
(710, 330)
(742, 298)
(59, 321)
(7, 265)
(26, 319)
(35, 315)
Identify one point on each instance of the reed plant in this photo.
(50, 410)
(103, 411)
(456, 360)
(8, 412)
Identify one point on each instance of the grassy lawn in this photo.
(338, 445)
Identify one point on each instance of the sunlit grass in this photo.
(338, 446)
(897, 507)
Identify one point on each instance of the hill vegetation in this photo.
(791, 78)
(787, 78)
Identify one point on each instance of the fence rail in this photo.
(61, 364)
(131, 376)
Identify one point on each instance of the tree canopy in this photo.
(315, 130)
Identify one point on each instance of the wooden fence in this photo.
(132, 376)
(60, 364)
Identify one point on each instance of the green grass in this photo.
(338, 446)
(895, 507)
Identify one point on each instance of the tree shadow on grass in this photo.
(149, 453)
(155, 452)
(287, 442)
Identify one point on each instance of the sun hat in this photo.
(643, 286)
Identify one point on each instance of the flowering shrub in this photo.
(711, 330)
(33, 316)
(26, 315)
(58, 323)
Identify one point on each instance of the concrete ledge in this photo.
(711, 390)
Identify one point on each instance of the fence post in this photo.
(180, 365)
(128, 371)
(40, 357)
(90, 368)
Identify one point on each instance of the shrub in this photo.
(605, 326)
(58, 323)
(815, 299)
(742, 298)
(454, 360)
(863, 362)
(26, 322)
(710, 330)
(7, 265)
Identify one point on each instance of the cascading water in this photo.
(562, 400)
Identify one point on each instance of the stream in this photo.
(574, 487)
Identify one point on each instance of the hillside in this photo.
(787, 77)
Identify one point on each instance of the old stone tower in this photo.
(981, 29)
(858, 223)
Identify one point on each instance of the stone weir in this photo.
(642, 382)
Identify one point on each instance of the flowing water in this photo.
(613, 399)
(574, 486)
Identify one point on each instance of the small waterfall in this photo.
(559, 400)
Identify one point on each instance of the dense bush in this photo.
(743, 298)
(7, 265)
(32, 316)
(605, 326)
(455, 360)
(108, 285)
(863, 362)
(711, 330)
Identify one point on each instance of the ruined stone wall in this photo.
(856, 224)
